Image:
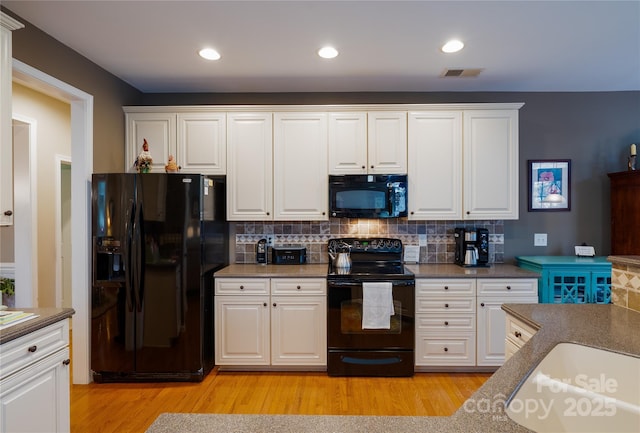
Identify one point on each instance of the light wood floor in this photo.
(133, 407)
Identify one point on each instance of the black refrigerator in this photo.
(157, 240)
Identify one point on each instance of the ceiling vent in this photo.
(469, 72)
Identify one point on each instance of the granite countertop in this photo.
(319, 270)
(603, 326)
(46, 316)
(448, 270)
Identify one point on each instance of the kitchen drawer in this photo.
(507, 287)
(450, 350)
(509, 348)
(306, 286)
(430, 287)
(239, 286)
(518, 331)
(446, 305)
(445, 322)
(21, 352)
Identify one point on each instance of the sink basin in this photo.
(582, 389)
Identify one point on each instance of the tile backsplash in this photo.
(438, 236)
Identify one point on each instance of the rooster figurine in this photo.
(144, 160)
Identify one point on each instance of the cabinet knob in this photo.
(508, 287)
(412, 212)
(372, 166)
(482, 304)
(446, 323)
(363, 167)
(241, 287)
(274, 304)
(323, 213)
(66, 362)
(264, 305)
(32, 348)
(446, 349)
(446, 287)
(298, 287)
(8, 213)
(517, 334)
(268, 213)
(446, 305)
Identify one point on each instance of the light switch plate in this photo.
(540, 240)
(411, 254)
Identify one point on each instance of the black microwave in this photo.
(368, 196)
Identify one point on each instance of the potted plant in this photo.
(7, 291)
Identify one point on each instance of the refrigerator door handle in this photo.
(129, 254)
(142, 259)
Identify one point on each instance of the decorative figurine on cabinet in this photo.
(171, 166)
(144, 160)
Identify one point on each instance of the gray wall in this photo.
(594, 130)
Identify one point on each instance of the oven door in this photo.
(344, 318)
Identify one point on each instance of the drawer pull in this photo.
(517, 334)
(264, 305)
(446, 349)
(446, 287)
(66, 362)
(298, 287)
(446, 323)
(508, 287)
(446, 305)
(241, 287)
(274, 304)
(32, 348)
(482, 304)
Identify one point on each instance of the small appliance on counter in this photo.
(261, 251)
(472, 247)
(288, 255)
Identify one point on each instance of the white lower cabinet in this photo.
(517, 333)
(34, 381)
(492, 293)
(460, 322)
(270, 322)
(445, 322)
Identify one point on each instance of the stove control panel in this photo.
(366, 245)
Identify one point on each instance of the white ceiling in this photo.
(270, 46)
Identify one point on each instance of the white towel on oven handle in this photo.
(377, 305)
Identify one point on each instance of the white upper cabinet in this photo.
(348, 143)
(197, 140)
(250, 169)
(387, 138)
(300, 174)
(490, 164)
(202, 143)
(435, 165)
(159, 129)
(463, 164)
(368, 143)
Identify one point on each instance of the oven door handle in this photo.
(358, 283)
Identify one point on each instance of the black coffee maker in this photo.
(472, 247)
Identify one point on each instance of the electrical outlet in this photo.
(422, 240)
(540, 240)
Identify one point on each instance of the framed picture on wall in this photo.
(549, 185)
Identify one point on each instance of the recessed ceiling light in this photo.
(327, 52)
(453, 46)
(209, 54)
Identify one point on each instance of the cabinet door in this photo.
(249, 167)
(159, 129)
(348, 143)
(299, 330)
(36, 399)
(387, 142)
(490, 164)
(242, 330)
(301, 180)
(435, 165)
(491, 332)
(600, 291)
(202, 145)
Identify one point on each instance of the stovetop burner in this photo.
(372, 259)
